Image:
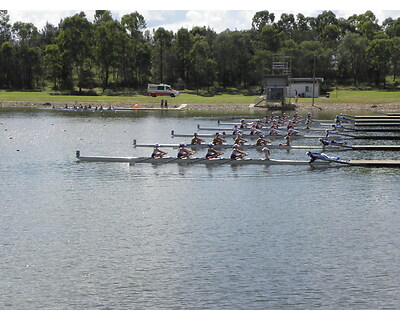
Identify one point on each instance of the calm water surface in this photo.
(113, 236)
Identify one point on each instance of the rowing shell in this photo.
(264, 130)
(217, 161)
(276, 147)
(246, 136)
(227, 146)
(220, 161)
(320, 129)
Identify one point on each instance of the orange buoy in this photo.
(135, 106)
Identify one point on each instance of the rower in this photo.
(258, 124)
(237, 154)
(243, 124)
(309, 118)
(307, 123)
(218, 140)
(273, 132)
(287, 144)
(212, 153)
(327, 142)
(196, 139)
(239, 139)
(274, 125)
(261, 141)
(331, 131)
(254, 130)
(184, 153)
(157, 152)
(290, 125)
(313, 156)
(236, 129)
(296, 118)
(339, 118)
(292, 132)
(267, 153)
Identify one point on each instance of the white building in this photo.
(303, 87)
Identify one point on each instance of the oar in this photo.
(344, 134)
(197, 160)
(139, 161)
(227, 161)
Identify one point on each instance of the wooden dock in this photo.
(373, 147)
(375, 163)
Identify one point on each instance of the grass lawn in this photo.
(188, 98)
(340, 96)
(359, 97)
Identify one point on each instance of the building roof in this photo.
(306, 80)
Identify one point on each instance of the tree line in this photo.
(110, 54)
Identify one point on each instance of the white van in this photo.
(155, 90)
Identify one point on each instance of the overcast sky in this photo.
(174, 14)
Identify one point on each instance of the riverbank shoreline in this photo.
(300, 107)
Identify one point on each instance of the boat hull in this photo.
(218, 161)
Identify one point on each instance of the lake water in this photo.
(113, 236)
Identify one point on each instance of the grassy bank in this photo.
(336, 97)
(373, 97)
(188, 98)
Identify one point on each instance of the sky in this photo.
(172, 15)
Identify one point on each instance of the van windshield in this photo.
(168, 88)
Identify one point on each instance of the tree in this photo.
(49, 34)
(225, 56)
(53, 63)
(75, 39)
(6, 65)
(198, 54)
(392, 27)
(110, 37)
(134, 23)
(163, 41)
(271, 38)
(395, 55)
(262, 19)
(143, 63)
(351, 58)
(183, 45)
(303, 31)
(27, 54)
(287, 25)
(378, 54)
(5, 27)
(365, 24)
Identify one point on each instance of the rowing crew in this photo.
(185, 153)
(219, 140)
(238, 154)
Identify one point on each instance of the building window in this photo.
(308, 89)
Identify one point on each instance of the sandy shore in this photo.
(338, 107)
